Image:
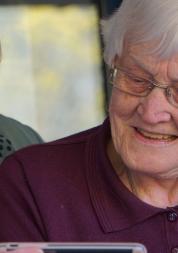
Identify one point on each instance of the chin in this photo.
(152, 166)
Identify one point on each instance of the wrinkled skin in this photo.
(152, 163)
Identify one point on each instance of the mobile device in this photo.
(78, 247)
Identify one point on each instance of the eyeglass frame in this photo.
(113, 73)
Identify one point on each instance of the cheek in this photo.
(119, 112)
(122, 105)
(122, 113)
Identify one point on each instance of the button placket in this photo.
(172, 216)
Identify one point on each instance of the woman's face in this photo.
(145, 129)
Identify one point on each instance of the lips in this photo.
(156, 136)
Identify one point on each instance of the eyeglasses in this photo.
(141, 87)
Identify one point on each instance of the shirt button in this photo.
(172, 216)
(174, 250)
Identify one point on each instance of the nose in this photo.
(155, 108)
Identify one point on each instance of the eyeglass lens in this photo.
(137, 86)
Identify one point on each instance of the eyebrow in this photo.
(147, 69)
(141, 65)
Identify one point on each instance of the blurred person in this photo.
(15, 135)
(117, 182)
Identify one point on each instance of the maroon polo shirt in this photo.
(67, 191)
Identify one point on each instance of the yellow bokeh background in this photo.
(51, 67)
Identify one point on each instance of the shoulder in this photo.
(18, 133)
(50, 162)
(62, 152)
(4, 120)
(70, 144)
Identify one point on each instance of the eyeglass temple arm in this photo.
(112, 74)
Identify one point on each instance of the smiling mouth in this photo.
(156, 136)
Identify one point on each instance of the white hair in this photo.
(138, 21)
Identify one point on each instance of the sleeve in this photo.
(15, 135)
(20, 218)
(33, 135)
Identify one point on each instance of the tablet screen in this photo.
(80, 250)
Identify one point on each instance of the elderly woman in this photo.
(117, 182)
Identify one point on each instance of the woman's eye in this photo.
(139, 81)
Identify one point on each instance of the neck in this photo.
(157, 191)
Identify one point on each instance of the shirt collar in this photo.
(115, 206)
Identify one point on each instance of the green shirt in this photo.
(15, 135)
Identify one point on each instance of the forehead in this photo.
(141, 56)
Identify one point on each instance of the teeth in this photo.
(156, 136)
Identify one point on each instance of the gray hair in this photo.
(138, 21)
